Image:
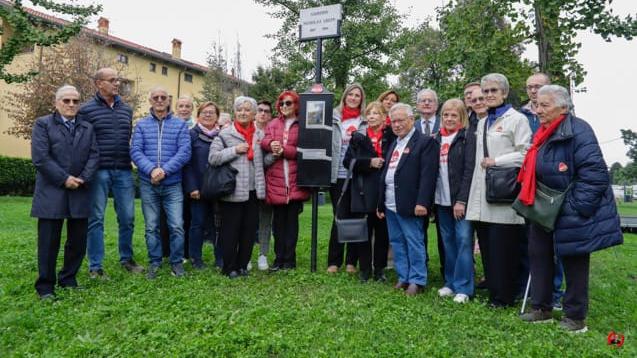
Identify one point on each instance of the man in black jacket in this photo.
(65, 155)
(112, 120)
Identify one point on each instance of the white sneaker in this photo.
(249, 267)
(461, 298)
(263, 262)
(445, 292)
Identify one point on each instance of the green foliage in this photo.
(26, 30)
(284, 314)
(269, 82)
(623, 175)
(17, 176)
(366, 51)
(630, 139)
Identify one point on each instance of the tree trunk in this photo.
(544, 50)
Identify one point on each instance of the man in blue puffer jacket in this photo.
(160, 148)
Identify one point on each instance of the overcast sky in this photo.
(611, 66)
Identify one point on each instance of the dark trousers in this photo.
(49, 237)
(202, 228)
(164, 232)
(440, 244)
(336, 249)
(376, 229)
(543, 261)
(500, 249)
(285, 228)
(238, 225)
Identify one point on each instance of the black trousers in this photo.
(239, 222)
(285, 228)
(576, 269)
(500, 249)
(440, 244)
(376, 229)
(336, 249)
(49, 237)
(164, 233)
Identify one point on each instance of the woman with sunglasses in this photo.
(282, 192)
(346, 120)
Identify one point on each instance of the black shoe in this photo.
(99, 273)
(364, 276)
(152, 272)
(178, 270)
(482, 285)
(132, 266)
(197, 264)
(380, 276)
(289, 266)
(48, 297)
(276, 267)
(243, 272)
(73, 287)
(233, 274)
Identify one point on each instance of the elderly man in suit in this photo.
(65, 155)
(406, 196)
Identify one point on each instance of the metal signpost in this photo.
(315, 113)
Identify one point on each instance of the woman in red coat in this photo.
(286, 198)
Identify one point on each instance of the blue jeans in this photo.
(405, 236)
(120, 183)
(558, 277)
(171, 199)
(458, 241)
(202, 227)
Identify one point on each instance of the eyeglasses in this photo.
(111, 80)
(159, 98)
(287, 103)
(264, 110)
(69, 100)
(477, 99)
(208, 113)
(490, 90)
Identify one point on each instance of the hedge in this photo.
(17, 176)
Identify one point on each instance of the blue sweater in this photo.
(113, 127)
(161, 144)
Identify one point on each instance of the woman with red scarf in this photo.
(237, 144)
(286, 198)
(346, 119)
(565, 152)
(452, 193)
(369, 145)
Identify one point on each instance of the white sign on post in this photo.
(320, 22)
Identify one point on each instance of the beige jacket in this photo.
(507, 140)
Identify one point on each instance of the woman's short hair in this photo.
(382, 96)
(206, 105)
(560, 95)
(401, 106)
(377, 106)
(288, 93)
(498, 78)
(457, 105)
(239, 101)
(63, 90)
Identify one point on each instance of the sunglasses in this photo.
(477, 99)
(287, 103)
(69, 100)
(159, 98)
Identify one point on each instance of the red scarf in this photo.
(376, 138)
(349, 113)
(247, 134)
(527, 172)
(444, 132)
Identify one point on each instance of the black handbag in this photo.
(501, 183)
(546, 207)
(350, 230)
(219, 181)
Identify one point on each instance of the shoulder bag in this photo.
(546, 207)
(353, 229)
(501, 182)
(218, 181)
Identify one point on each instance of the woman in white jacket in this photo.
(500, 230)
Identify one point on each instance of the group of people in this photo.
(399, 170)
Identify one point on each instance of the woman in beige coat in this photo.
(500, 230)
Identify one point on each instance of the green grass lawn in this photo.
(627, 209)
(295, 313)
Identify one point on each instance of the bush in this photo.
(17, 176)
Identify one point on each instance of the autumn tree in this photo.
(25, 30)
(73, 63)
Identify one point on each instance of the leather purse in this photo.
(501, 182)
(546, 207)
(350, 230)
(219, 181)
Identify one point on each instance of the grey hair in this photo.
(239, 101)
(401, 106)
(423, 92)
(155, 90)
(559, 94)
(498, 78)
(188, 98)
(64, 89)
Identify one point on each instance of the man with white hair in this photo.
(65, 155)
(427, 107)
(160, 148)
